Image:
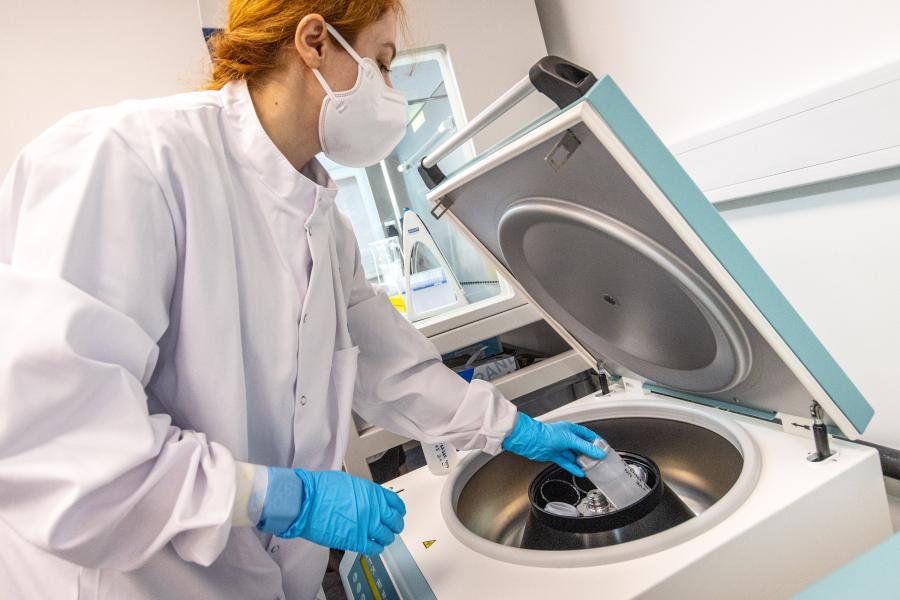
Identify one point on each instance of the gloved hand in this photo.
(559, 442)
(338, 510)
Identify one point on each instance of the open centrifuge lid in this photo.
(608, 236)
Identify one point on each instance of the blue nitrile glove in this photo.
(334, 509)
(559, 442)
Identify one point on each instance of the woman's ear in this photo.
(309, 38)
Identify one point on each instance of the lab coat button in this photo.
(302, 400)
(275, 548)
(306, 317)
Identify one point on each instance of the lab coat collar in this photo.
(298, 189)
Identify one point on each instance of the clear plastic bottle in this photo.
(612, 476)
(440, 457)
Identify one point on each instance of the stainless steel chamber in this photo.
(709, 462)
(699, 465)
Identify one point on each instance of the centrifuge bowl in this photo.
(708, 459)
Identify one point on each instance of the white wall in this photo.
(693, 66)
(64, 55)
(833, 249)
(213, 13)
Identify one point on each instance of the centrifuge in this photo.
(735, 411)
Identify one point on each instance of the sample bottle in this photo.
(440, 457)
(612, 476)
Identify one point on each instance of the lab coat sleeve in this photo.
(87, 274)
(403, 386)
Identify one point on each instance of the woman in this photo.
(187, 327)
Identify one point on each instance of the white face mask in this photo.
(361, 126)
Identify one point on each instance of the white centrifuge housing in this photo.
(596, 222)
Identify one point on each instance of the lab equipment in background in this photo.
(488, 369)
(443, 127)
(431, 287)
(387, 260)
(427, 79)
(486, 360)
(376, 197)
(485, 348)
(620, 484)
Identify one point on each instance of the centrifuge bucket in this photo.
(659, 510)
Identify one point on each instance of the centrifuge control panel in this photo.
(368, 579)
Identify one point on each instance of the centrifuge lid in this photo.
(603, 230)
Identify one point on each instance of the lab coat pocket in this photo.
(343, 385)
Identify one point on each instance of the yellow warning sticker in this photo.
(428, 544)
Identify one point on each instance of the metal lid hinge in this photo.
(820, 434)
(815, 424)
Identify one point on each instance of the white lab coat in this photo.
(153, 336)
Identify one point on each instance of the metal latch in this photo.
(563, 150)
(443, 205)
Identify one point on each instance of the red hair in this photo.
(257, 30)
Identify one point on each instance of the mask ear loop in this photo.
(344, 43)
(339, 102)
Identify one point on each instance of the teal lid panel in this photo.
(653, 156)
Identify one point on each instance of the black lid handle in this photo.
(562, 81)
